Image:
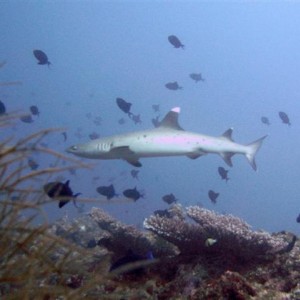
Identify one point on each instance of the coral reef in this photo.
(233, 237)
(196, 271)
(138, 241)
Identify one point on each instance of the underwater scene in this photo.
(149, 150)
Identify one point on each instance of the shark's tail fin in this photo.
(251, 151)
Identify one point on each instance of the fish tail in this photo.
(251, 151)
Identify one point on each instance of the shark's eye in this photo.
(74, 148)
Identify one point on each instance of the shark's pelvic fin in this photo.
(193, 155)
(252, 149)
(134, 162)
(171, 120)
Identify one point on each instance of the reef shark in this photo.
(168, 139)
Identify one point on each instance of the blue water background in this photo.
(248, 53)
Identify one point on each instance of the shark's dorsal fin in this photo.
(171, 119)
(228, 134)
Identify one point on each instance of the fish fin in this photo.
(171, 119)
(122, 151)
(194, 155)
(252, 149)
(74, 200)
(228, 134)
(62, 203)
(227, 157)
(67, 183)
(134, 162)
(125, 153)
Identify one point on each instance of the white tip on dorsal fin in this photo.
(176, 109)
(171, 119)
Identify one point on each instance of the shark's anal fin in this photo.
(227, 157)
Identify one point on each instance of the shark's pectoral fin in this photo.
(134, 161)
(124, 152)
(121, 151)
(227, 157)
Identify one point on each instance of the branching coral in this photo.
(234, 238)
(121, 237)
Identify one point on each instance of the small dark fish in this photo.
(72, 171)
(197, 77)
(173, 86)
(58, 190)
(3, 63)
(213, 196)
(41, 57)
(155, 107)
(223, 173)
(174, 40)
(169, 198)
(91, 243)
(121, 121)
(135, 174)
(11, 83)
(163, 213)
(34, 110)
(136, 119)
(284, 117)
(26, 119)
(124, 106)
(155, 121)
(98, 121)
(33, 165)
(298, 219)
(265, 120)
(107, 191)
(65, 136)
(2, 108)
(94, 135)
(131, 257)
(133, 194)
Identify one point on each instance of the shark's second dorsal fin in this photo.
(171, 119)
(228, 134)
